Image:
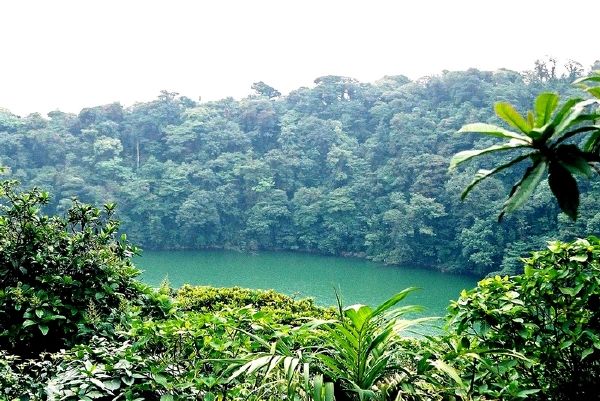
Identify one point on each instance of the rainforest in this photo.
(341, 168)
(399, 171)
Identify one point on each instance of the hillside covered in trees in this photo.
(344, 168)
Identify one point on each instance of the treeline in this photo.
(344, 168)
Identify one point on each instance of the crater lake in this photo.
(302, 275)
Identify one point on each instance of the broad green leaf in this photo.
(564, 188)
(586, 352)
(306, 374)
(97, 382)
(44, 329)
(403, 324)
(252, 366)
(160, 379)
(275, 360)
(545, 104)
(483, 174)
(28, 323)
(493, 130)
(375, 372)
(381, 338)
(593, 78)
(332, 365)
(508, 113)
(289, 366)
(594, 91)
(465, 155)
(393, 300)
(567, 291)
(579, 258)
(449, 370)
(524, 188)
(358, 314)
(565, 344)
(573, 115)
(564, 110)
(112, 385)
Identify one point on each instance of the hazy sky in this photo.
(73, 54)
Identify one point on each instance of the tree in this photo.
(262, 89)
(545, 137)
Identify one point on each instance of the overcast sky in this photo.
(72, 54)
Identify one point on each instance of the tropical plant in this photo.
(281, 366)
(535, 335)
(544, 137)
(60, 278)
(362, 346)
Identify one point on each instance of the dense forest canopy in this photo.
(345, 168)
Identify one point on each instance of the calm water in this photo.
(304, 275)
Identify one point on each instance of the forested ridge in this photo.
(344, 167)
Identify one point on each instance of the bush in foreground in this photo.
(60, 278)
(536, 335)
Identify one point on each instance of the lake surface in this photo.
(304, 275)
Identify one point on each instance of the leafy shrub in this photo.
(536, 335)
(59, 277)
(188, 356)
(284, 308)
(23, 379)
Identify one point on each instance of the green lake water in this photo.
(304, 275)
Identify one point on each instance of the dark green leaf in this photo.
(465, 155)
(564, 188)
(483, 174)
(524, 188)
(573, 160)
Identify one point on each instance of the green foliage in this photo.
(543, 136)
(187, 356)
(534, 336)
(60, 278)
(23, 379)
(360, 348)
(282, 307)
(344, 167)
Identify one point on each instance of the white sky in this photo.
(67, 55)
